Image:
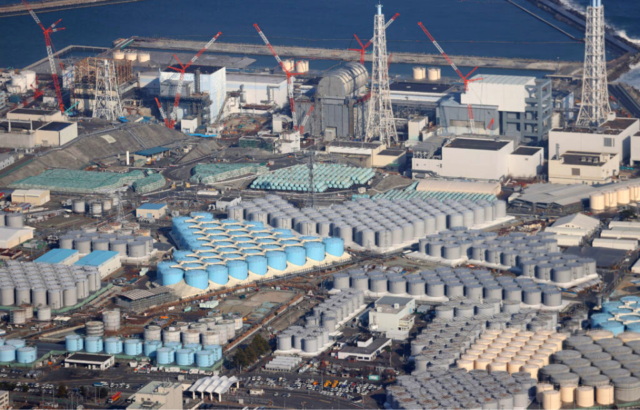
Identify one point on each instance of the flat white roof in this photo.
(256, 78)
(504, 79)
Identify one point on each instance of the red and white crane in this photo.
(183, 68)
(162, 113)
(47, 39)
(304, 120)
(465, 79)
(289, 74)
(362, 48)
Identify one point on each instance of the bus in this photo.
(114, 398)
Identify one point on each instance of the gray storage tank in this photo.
(136, 250)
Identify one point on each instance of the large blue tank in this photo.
(229, 221)
(264, 242)
(260, 234)
(257, 264)
(173, 345)
(620, 311)
(151, 347)
(208, 254)
(217, 351)
(633, 327)
(250, 252)
(243, 239)
(192, 265)
(238, 232)
(185, 357)
(197, 278)
(613, 326)
(93, 344)
(334, 246)
(74, 343)
(165, 355)
(296, 255)
(227, 249)
(27, 354)
(607, 307)
(193, 346)
(133, 347)
(7, 353)
(183, 256)
(315, 250)
(632, 300)
(212, 261)
(171, 276)
(277, 260)
(17, 343)
(231, 256)
(599, 318)
(113, 345)
(218, 238)
(218, 274)
(238, 269)
(205, 358)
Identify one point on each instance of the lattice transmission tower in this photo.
(380, 122)
(595, 95)
(107, 103)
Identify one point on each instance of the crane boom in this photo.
(162, 113)
(305, 120)
(363, 47)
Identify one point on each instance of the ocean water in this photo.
(462, 27)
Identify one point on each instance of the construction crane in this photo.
(363, 48)
(183, 68)
(465, 79)
(162, 113)
(30, 100)
(305, 119)
(287, 72)
(47, 39)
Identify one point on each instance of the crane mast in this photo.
(362, 48)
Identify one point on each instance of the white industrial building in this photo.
(570, 230)
(393, 316)
(89, 360)
(217, 385)
(416, 126)
(34, 114)
(366, 349)
(35, 197)
(106, 262)
(12, 237)
(479, 158)
(577, 167)
(158, 395)
(259, 89)
(612, 137)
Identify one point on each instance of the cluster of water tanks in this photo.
(311, 340)
(218, 251)
(614, 197)
(44, 284)
(132, 55)
(618, 316)
(16, 350)
(95, 207)
(188, 354)
(596, 366)
(88, 239)
(300, 66)
(207, 331)
(457, 389)
(335, 310)
(422, 73)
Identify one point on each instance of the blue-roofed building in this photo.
(106, 261)
(150, 210)
(63, 256)
(151, 154)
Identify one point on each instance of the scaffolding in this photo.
(84, 71)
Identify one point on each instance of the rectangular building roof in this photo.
(56, 256)
(152, 206)
(97, 258)
(416, 87)
(21, 125)
(204, 69)
(477, 144)
(56, 126)
(368, 350)
(355, 144)
(526, 151)
(256, 78)
(34, 111)
(152, 151)
(505, 79)
(138, 294)
(392, 300)
(87, 357)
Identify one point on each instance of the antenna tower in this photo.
(594, 109)
(380, 122)
(107, 103)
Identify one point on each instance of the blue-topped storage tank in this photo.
(27, 354)
(7, 353)
(277, 260)
(113, 345)
(315, 250)
(249, 252)
(165, 355)
(74, 343)
(633, 327)
(205, 358)
(620, 311)
(193, 346)
(334, 246)
(17, 343)
(133, 347)
(93, 344)
(185, 357)
(169, 275)
(217, 351)
(197, 278)
(599, 318)
(218, 274)
(613, 326)
(289, 242)
(151, 347)
(296, 255)
(607, 307)
(181, 256)
(238, 269)
(257, 264)
(262, 242)
(173, 345)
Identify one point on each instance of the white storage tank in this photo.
(434, 74)
(418, 73)
(111, 320)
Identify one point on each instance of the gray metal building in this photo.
(535, 123)
(453, 118)
(140, 300)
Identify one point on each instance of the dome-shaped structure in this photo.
(343, 82)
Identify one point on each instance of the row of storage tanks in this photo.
(459, 389)
(325, 176)
(44, 284)
(612, 198)
(124, 243)
(333, 311)
(618, 316)
(187, 354)
(593, 368)
(132, 55)
(473, 285)
(444, 341)
(423, 73)
(206, 332)
(371, 223)
(220, 250)
(16, 350)
(95, 207)
(308, 339)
